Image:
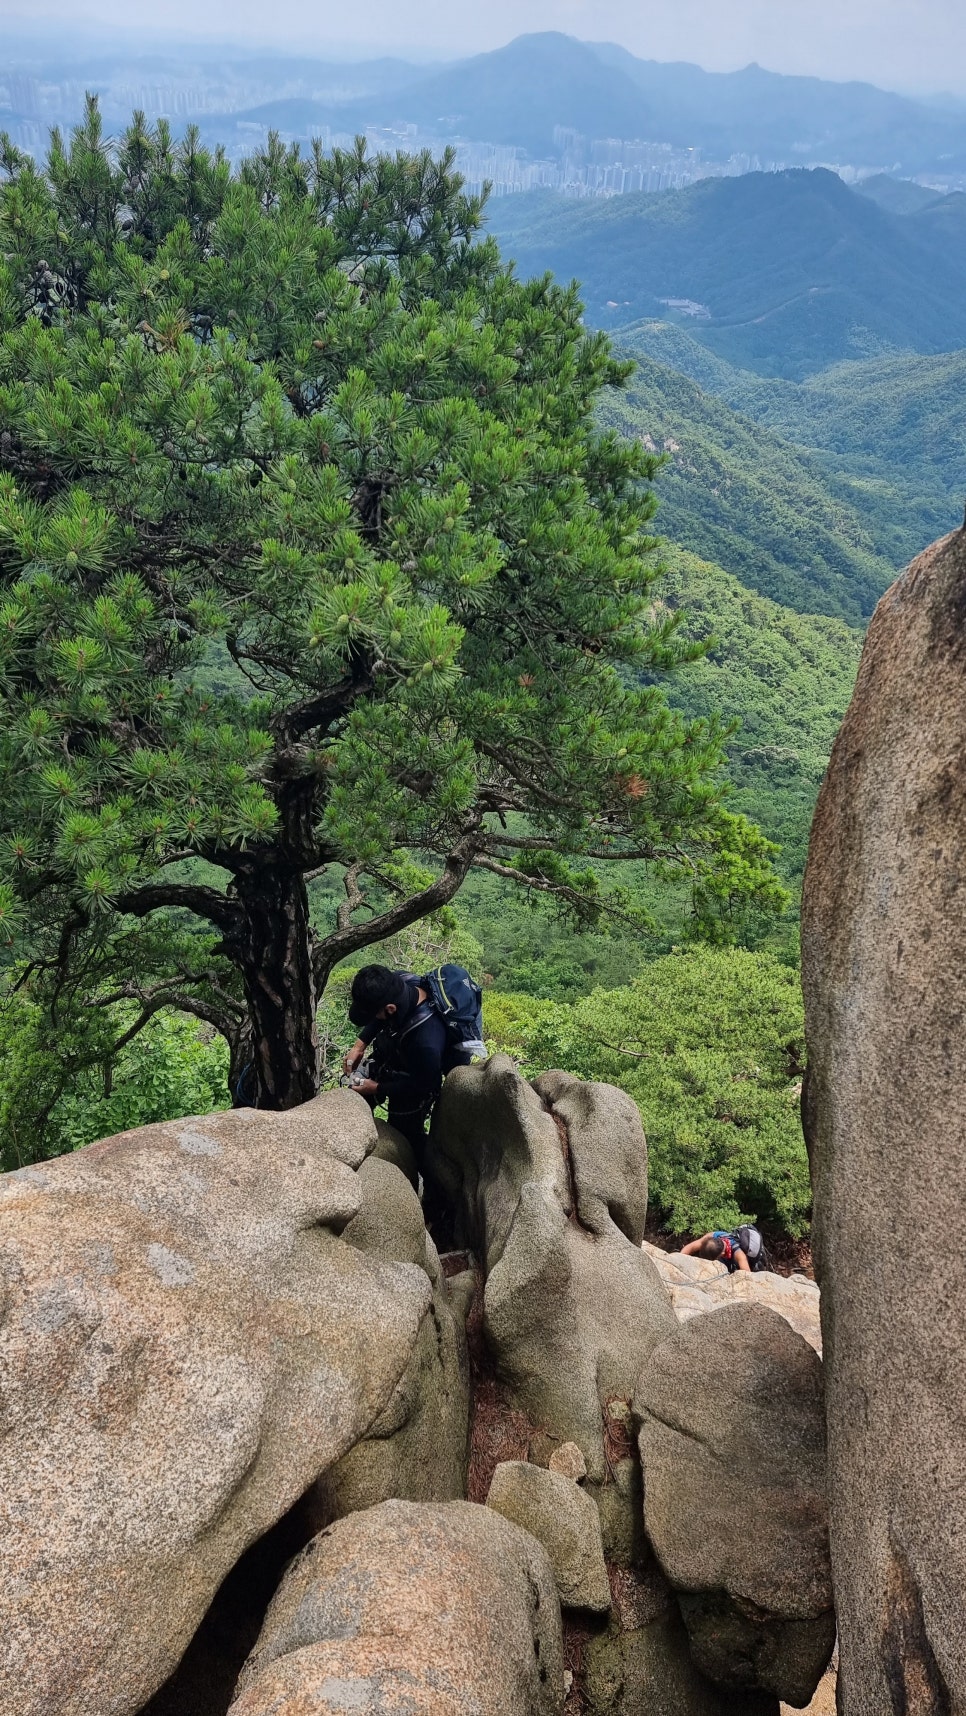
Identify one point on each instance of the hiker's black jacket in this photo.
(411, 1054)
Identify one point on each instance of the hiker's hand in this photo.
(368, 1087)
(354, 1055)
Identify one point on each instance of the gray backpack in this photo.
(752, 1245)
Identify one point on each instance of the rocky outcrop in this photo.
(697, 1285)
(884, 968)
(186, 1345)
(392, 1147)
(404, 1609)
(607, 1152)
(641, 1665)
(417, 1448)
(733, 1451)
(225, 1338)
(571, 1308)
(563, 1518)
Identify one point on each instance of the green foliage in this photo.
(710, 1044)
(784, 678)
(528, 951)
(737, 494)
(311, 555)
(886, 437)
(782, 681)
(63, 1087)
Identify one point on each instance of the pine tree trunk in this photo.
(273, 949)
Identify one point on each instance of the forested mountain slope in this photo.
(738, 495)
(786, 680)
(794, 270)
(887, 437)
(896, 196)
(785, 677)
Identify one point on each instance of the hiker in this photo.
(413, 1031)
(742, 1249)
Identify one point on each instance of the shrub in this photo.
(49, 1105)
(710, 1044)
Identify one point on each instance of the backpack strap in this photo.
(417, 1017)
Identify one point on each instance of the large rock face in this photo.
(733, 1450)
(552, 1200)
(884, 966)
(418, 1446)
(407, 1609)
(186, 1345)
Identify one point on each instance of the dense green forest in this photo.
(886, 436)
(794, 270)
(784, 678)
(741, 496)
(710, 1044)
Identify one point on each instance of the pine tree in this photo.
(312, 560)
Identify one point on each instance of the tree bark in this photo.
(272, 947)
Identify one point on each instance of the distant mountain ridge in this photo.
(796, 270)
(755, 111)
(521, 93)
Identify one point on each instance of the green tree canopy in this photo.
(710, 1043)
(311, 558)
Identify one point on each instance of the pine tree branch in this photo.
(343, 941)
(219, 1021)
(204, 902)
(594, 854)
(354, 897)
(542, 885)
(170, 992)
(317, 713)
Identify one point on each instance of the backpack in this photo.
(753, 1246)
(459, 1003)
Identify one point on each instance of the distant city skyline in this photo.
(917, 46)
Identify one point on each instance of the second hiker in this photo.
(742, 1249)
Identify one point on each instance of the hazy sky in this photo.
(902, 44)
